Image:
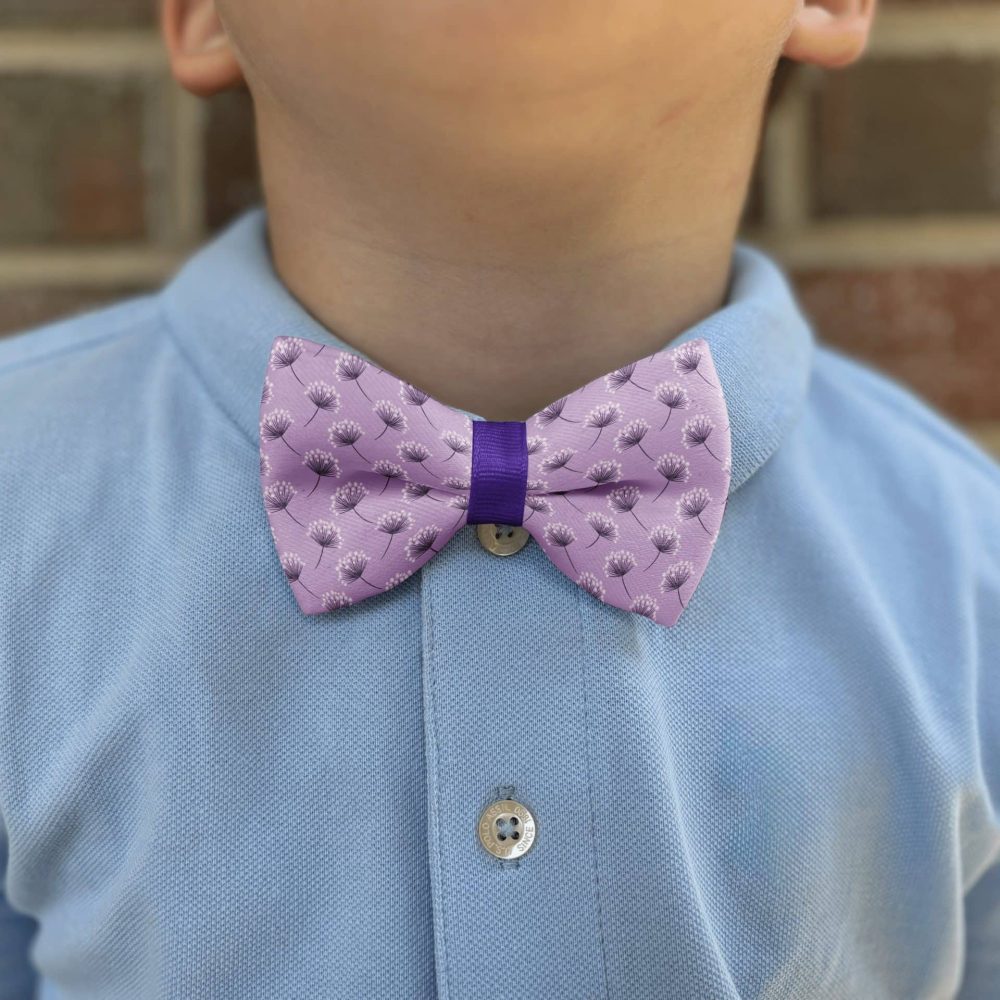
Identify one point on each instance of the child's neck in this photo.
(499, 292)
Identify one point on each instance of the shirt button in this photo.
(502, 539)
(507, 828)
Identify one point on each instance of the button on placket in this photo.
(507, 763)
(502, 539)
(507, 829)
(506, 711)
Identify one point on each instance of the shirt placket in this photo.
(507, 716)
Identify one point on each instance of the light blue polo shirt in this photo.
(207, 795)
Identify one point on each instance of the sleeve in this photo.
(17, 976)
(981, 979)
(982, 938)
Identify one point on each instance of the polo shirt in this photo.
(205, 793)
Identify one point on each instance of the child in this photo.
(470, 579)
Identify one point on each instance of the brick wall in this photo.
(878, 186)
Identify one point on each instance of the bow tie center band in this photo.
(499, 484)
(365, 477)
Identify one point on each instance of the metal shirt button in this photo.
(502, 539)
(507, 828)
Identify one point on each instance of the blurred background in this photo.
(878, 186)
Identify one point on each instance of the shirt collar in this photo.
(228, 294)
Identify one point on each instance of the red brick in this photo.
(904, 136)
(933, 328)
(74, 171)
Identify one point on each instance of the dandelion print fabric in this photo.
(366, 477)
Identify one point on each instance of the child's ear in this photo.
(201, 56)
(830, 33)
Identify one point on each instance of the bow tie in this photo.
(365, 477)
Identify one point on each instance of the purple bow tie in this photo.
(365, 477)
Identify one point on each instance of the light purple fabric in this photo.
(365, 477)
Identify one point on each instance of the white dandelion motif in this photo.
(415, 453)
(622, 377)
(278, 496)
(536, 443)
(412, 396)
(396, 579)
(623, 499)
(692, 504)
(265, 465)
(559, 460)
(603, 472)
(537, 486)
(293, 566)
(456, 482)
(346, 499)
(351, 568)
(267, 391)
(645, 605)
(562, 537)
(389, 471)
(673, 397)
(392, 523)
(537, 505)
(631, 435)
(322, 463)
(687, 358)
(666, 540)
(324, 397)
(350, 368)
(618, 565)
(390, 415)
(461, 504)
(422, 542)
(696, 432)
(286, 351)
(601, 416)
(592, 585)
(553, 412)
(603, 526)
(334, 600)
(346, 434)
(275, 425)
(326, 535)
(417, 491)
(674, 469)
(457, 443)
(675, 578)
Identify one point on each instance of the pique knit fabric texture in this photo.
(206, 794)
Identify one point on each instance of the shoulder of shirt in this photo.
(76, 340)
(51, 374)
(899, 431)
